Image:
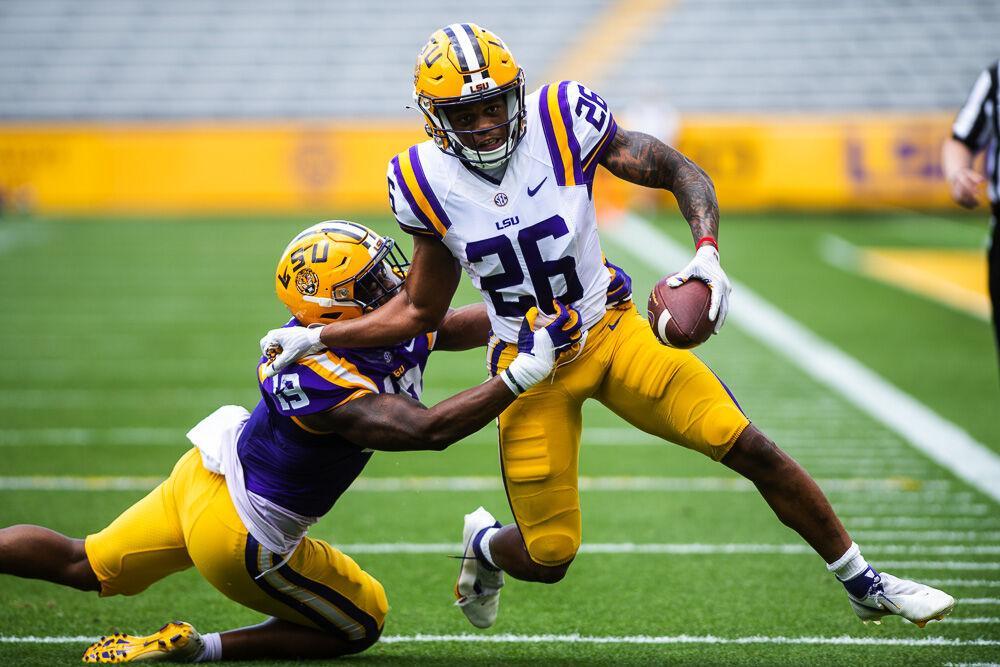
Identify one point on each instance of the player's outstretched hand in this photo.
(620, 287)
(705, 267)
(287, 345)
(540, 341)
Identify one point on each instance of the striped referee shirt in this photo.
(977, 126)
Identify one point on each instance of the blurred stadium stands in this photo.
(256, 59)
(206, 59)
(220, 105)
(807, 55)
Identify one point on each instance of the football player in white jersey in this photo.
(504, 190)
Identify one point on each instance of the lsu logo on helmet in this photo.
(463, 63)
(307, 282)
(338, 270)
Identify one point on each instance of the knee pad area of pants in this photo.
(553, 549)
(719, 428)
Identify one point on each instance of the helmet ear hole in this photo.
(427, 129)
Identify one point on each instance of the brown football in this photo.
(679, 315)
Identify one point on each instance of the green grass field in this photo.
(118, 335)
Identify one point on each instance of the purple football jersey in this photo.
(303, 471)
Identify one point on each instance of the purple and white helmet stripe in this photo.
(466, 47)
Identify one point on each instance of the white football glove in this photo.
(528, 369)
(289, 344)
(705, 267)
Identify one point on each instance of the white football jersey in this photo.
(533, 236)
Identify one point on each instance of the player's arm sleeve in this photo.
(578, 128)
(974, 124)
(414, 202)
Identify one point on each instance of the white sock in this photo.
(850, 565)
(484, 545)
(213, 648)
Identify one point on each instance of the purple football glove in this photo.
(539, 342)
(620, 288)
(563, 328)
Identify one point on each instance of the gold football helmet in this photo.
(338, 270)
(463, 63)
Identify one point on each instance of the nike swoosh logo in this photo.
(532, 191)
(612, 326)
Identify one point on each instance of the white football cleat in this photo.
(478, 587)
(913, 601)
(176, 641)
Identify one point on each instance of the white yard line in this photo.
(484, 483)
(976, 583)
(929, 535)
(509, 638)
(846, 510)
(39, 437)
(938, 565)
(942, 441)
(932, 496)
(626, 548)
(71, 483)
(592, 437)
(980, 620)
(921, 522)
(32, 639)
(979, 601)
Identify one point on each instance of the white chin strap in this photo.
(489, 159)
(327, 303)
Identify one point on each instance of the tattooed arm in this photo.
(641, 159)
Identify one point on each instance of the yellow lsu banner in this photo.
(180, 167)
(756, 162)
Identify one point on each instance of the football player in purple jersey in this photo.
(238, 505)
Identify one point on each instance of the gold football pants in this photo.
(190, 519)
(667, 392)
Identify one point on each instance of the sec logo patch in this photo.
(500, 199)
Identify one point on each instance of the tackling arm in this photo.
(464, 328)
(417, 309)
(644, 160)
(394, 422)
